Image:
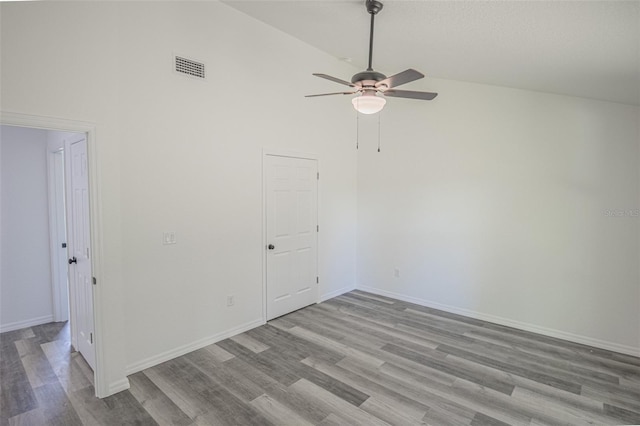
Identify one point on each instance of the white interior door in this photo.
(292, 234)
(79, 248)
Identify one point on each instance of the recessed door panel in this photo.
(305, 221)
(282, 211)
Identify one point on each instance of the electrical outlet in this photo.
(168, 238)
(231, 300)
(396, 272)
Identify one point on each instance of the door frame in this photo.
(56, 196)
(101, 384)
(270, 152)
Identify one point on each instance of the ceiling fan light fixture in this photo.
(370, 83)
(368, 104)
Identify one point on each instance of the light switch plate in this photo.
(168, 238)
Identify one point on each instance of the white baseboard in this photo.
(119, 386)
(336, 293)
(550, 332)
(26, 323)
(190, 347)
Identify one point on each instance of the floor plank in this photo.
(159, 406)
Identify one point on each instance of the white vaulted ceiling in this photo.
(580, 48)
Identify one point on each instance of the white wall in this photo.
(176, 154)
(493, 202)
(202, 163)
(25, 278)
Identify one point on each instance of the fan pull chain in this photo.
(379, 114)
(357, 130)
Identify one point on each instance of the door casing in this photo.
(102, 386)
(57, 234)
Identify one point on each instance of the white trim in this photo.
(336, 293)
(550, 332)
(45, 123)
(190, 347)
(291, 154)
(102, 387)
(26, 323)
(264, 237)
(54, 197)
(119, 386)
(285, 153)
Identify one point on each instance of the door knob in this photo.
(73, 260)
(271, 246)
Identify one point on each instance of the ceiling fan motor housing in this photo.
(373, 6)
(374, 76)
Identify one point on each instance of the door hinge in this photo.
(317, 280)
(317, 228)
(91, 337)
(318, 176)
(93, 279)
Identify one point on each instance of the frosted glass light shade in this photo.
(368, 104)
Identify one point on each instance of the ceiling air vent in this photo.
(189, 67)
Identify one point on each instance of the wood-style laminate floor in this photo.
(358, 359)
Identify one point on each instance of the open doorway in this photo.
(46, 238)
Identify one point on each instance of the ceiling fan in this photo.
(371, 87)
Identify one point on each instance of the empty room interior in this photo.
(320, 212)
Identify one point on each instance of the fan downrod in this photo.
(373, 7)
